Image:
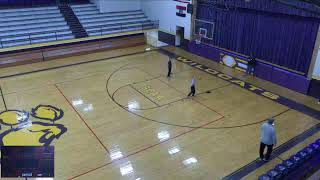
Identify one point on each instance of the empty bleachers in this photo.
(25, 26)
(32, 25)
(96, 23)
(299, 166)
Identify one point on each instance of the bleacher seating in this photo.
(298, 166)
(32, 25)
(96, 23)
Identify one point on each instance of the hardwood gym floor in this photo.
(120, 117)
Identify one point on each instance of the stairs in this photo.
(75, 26)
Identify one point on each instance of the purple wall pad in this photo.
(290, 80)
(298, 83)
(263, 71)
(204, 51)
(267, 72)
(279, 76)
(211, 52)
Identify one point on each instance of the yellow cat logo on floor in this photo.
(21, 131)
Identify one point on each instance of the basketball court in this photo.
(122, 118)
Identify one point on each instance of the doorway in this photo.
(179, 36)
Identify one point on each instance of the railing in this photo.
(103, 30)
(123, 27)
(28, 38)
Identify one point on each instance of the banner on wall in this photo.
(181, 11)
(233, 62)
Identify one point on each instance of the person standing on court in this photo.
(169, 67)
(268, 138)
(193, 86)
(251, 65)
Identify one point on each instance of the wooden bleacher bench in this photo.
(20, 58)
(49, 53)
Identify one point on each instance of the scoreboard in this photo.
(27, 161)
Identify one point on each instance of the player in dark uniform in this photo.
(251, 65)
(169, 67)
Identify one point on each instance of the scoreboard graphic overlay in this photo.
(27, 161)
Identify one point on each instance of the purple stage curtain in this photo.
(289, 7)
(277, 38)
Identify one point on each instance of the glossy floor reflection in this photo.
(126, 120)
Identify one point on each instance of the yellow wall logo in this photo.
(19, 130)
(229, 61)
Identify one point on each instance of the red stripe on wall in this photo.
(181, 7)
(187, 2)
